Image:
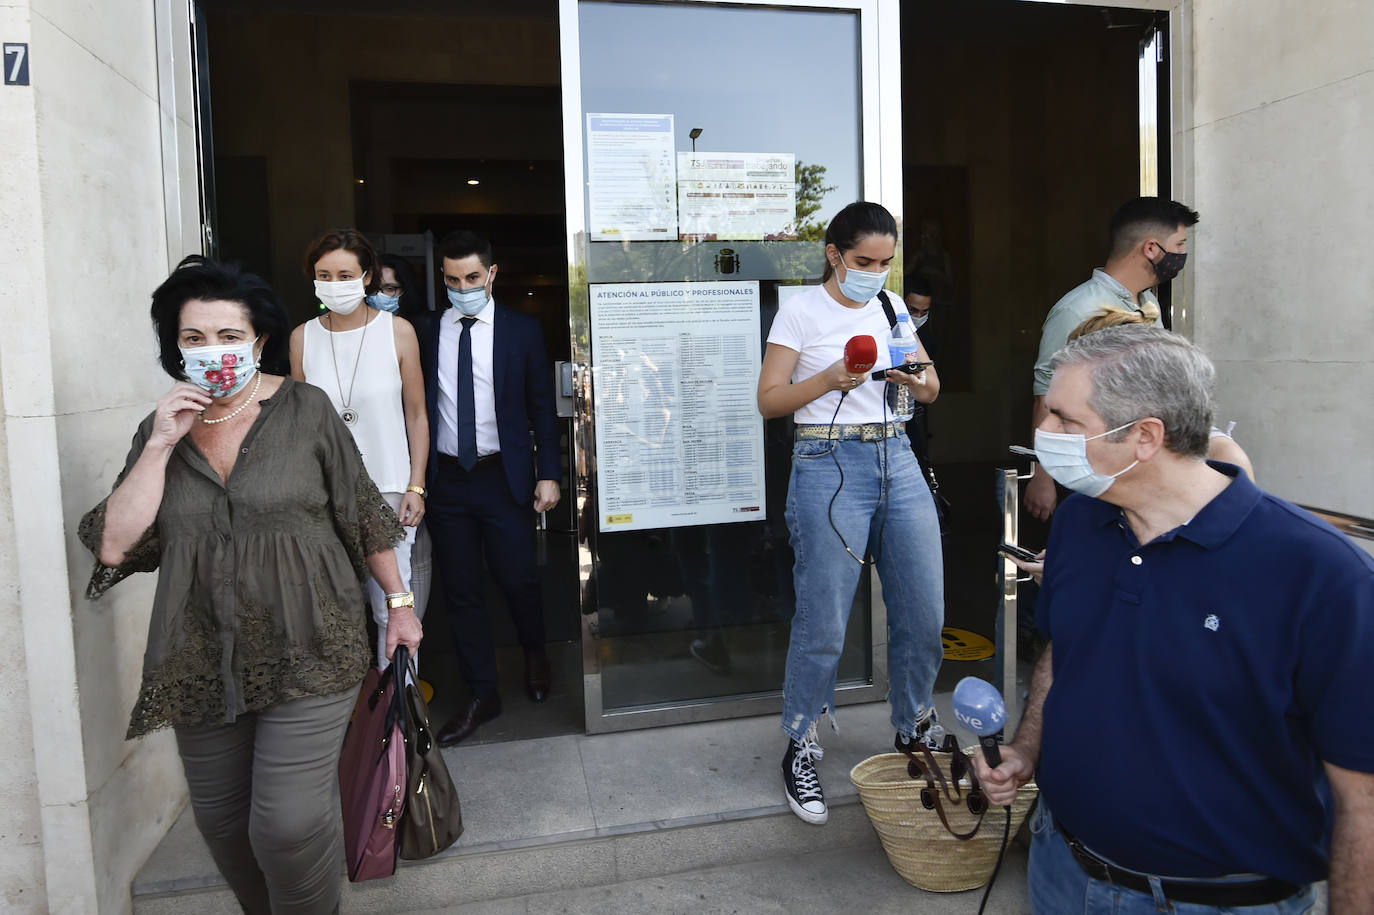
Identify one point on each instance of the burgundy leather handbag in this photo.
(372, 774)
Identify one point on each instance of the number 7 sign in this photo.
(16, 64)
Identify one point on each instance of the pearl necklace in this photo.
(237, 410)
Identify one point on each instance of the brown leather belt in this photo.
(451, 461)
(1219, 893)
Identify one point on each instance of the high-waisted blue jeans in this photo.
(880, 478)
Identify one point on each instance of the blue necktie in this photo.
(467, 400)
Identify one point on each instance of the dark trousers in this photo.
(470, 513)
(265, 793)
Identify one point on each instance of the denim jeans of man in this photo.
(1059, 886)
(880, 479)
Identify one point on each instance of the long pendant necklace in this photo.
(237, 410)
(348, 414)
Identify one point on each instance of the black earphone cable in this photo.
(885, 484)
(830, 509)
(1006, 837)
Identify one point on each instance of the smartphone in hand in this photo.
(1020, 553)
(911, 368)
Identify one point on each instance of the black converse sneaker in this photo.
(800, 781)
(929, 732)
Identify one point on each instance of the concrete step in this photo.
(574, 813)
(856, 879)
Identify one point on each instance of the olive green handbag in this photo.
(433, 818)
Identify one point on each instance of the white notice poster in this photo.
(631, 189)
(679, 438)
(737, 196)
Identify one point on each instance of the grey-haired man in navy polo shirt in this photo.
(1200, 724)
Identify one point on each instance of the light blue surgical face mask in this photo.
(383, 302)
(861, 285)
(469, 301)
(918, 323)
(1064, 455)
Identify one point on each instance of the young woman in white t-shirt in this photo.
(368, 362)
(856, 493)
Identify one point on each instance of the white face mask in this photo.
(1064, 455)
(343, 297)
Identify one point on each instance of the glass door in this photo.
(205, 152)
(706, 146)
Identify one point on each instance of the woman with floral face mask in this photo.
(244, 491)
(856, 495)
(367, 360)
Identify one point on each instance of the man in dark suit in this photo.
(487, 383)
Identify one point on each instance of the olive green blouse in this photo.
(259, 598)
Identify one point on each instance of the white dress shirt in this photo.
(484, 394)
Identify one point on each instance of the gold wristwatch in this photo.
(403, 599)
(418, 490)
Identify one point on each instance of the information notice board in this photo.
(737, 196)
(679, 438)
(631, 177)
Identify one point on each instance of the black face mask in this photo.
(1169, 265)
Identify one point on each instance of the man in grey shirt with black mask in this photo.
(1149, 245)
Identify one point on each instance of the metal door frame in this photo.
(188, 161)
(881, 164)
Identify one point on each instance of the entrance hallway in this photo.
(689, 818)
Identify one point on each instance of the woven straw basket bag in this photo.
(919, 846)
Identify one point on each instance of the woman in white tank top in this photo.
(368, 362)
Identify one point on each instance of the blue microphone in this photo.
(978, 706)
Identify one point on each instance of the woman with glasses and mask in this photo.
(244, 491)
(368, 361)
(856, 495)
(399, 292)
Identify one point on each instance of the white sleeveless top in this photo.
(380, 430)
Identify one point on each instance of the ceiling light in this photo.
(474, 182)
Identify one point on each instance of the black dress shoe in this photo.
(537, 675)
(461, 726)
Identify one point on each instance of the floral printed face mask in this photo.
(222, 371)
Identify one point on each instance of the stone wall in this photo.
(83, 186)
(1283, 121)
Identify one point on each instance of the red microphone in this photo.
(860, 353)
